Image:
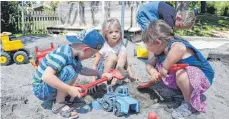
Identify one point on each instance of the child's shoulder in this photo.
(63, 49)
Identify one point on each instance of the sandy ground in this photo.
(18, 101)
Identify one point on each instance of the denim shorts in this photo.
(45, 92)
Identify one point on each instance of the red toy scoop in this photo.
(115, 73)
(174, 67)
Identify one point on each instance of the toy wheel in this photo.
(20, 57)
(5, 58)
(27, 51)
(118, 111)
(107, 105)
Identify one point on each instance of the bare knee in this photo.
(112, 58)
(181, 76)
(122, 54)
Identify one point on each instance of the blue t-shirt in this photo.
(57, 60)
(153, 11)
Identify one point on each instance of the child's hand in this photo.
(163, 72)
(108, 75)
(134, 79)
(155, 76)
(74, 91)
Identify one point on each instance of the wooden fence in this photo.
(38, 21)
(69, 16)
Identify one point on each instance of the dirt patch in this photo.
(221, 34)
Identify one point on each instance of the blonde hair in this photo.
(106, 26)
(188, 18)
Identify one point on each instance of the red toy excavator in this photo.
(40, 54)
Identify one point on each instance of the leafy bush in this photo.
(9, 16)
(219, 8)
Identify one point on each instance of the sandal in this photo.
(64, 110)
(182, 111)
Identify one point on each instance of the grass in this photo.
(33, 33)
(206, 25)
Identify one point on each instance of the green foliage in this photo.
(172, 3)
(219, 8)
(9, 16)
(194, 5)
(52, 9)
(53, 6)
(206, 25)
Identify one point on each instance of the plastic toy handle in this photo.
(116, 74)
(104, 78)
(176, 67)
(83, 89)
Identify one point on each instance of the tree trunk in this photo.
(203, 6)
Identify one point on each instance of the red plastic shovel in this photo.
(115, 74)
(174, 67)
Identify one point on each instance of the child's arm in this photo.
(176, 53)
(95, 63)
(130, 72)
(96, 60)
(51, 79)
(149, 66)
(151, 70)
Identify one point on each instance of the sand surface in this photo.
(18, 101)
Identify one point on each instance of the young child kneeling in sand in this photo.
(113, 53)
(194, 80)
(55, 75)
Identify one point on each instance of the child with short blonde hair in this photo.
(113, 53)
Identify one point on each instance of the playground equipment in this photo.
(141, 51)
(40, 54)
(174, 67)
(115, 73)
(12, 50)
(119, 101)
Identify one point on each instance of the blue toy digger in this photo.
(119, 101)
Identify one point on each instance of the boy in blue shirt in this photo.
(55, 75)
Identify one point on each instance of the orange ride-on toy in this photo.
(40, 54)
